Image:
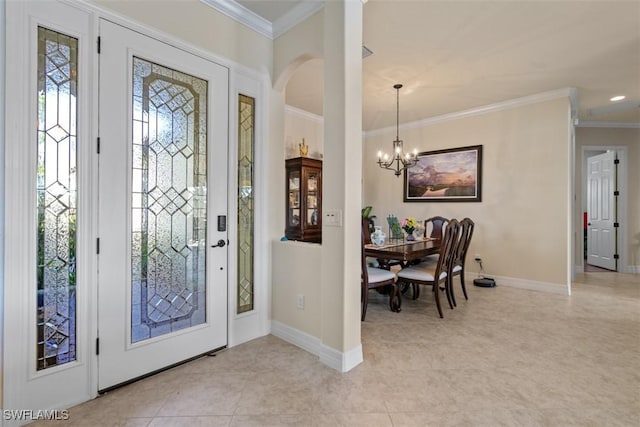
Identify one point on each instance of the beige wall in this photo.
(339, 301)
(297, 271)
(522, 222)
(201, 26)
(300, 125)
(618, 137)
(299, 44)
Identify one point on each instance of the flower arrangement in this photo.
(409, 225)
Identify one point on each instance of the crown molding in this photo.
(262, 26)
(295, 16)
(242, 15)
(304, 114)
(483, 109)
(620, 125)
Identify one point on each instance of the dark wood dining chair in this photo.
(434, 274)
(373, 278)
(434, 226)
(458, 263)
(432, 229)
(367, 226)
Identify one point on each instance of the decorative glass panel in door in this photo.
(246, 129)
(162, 111)
(169, 209)
(56, 198)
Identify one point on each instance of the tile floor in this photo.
(506, 357)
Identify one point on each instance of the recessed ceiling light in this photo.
(617, 98)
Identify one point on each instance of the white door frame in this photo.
(602, 233)
(621, 152)
(20, 210)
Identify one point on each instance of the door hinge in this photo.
(97, 346)
(98, 145)
(99, 44)
(616, 193)
(616, 162)
(98, 246)
(616, 224)
(616, 256)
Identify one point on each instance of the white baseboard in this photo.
(532, 285)
(342, 362)
(296, 337)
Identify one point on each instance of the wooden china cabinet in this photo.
(304, 199)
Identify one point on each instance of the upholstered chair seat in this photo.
(377, 275)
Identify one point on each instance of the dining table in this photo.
(402, 250)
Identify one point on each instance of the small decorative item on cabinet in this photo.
(304, 149)
(304, 199)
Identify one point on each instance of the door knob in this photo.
(589, 223)
(220, 244)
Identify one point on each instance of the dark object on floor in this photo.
(485, 282)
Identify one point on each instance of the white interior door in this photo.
(601, 233)
(162, 287)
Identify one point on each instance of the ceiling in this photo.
(456, 55)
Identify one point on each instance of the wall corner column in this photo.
(342, 182)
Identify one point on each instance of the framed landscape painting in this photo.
(452, 175)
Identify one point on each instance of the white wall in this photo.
(299, 125)
(618, 137)
(522, 222)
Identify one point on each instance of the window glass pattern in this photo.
(246, 129)
(169, 191)
(56, 193)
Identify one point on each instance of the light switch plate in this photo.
(332, 218)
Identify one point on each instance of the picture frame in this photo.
(449, 175)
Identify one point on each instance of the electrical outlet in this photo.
(300, 302)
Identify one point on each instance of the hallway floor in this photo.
(506, 357)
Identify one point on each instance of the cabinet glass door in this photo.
(294, 198)
(312, 198)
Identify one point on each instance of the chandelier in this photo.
(399, 160)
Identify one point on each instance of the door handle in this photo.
(220, 244)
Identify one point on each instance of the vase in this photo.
(410, 237)
(378, 236)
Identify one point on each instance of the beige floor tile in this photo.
(211, 421)
(505, 357)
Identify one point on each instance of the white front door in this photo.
(601, 233)
(162, 283)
